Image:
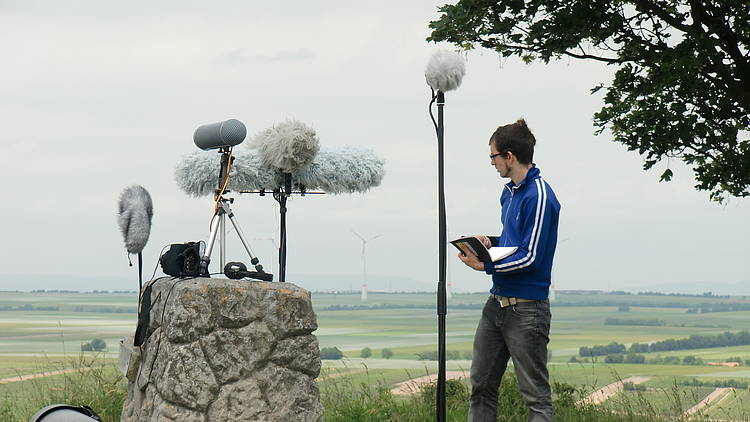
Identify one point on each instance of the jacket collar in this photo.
(530, 175)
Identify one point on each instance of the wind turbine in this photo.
(364, 262)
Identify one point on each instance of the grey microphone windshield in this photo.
(445, 70)
(333, 170)
(220, 134)
(288, 146)
(134, 217)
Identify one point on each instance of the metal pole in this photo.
(282, 240)
(442, 307)
(222, 241)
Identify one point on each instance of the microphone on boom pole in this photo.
(444, 72)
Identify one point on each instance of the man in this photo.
(516, 318)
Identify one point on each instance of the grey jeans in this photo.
(520, 332)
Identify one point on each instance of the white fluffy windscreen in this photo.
(288, 146)
(135, 210)
(445, 70)
(335, 170)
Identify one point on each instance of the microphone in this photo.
(333, 170)
(134, 217)
(220, 134)
(287, 146)
(445, 70)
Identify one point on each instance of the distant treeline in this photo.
(718, 307)
(107, 309)
(692, 308)
(639, 322)
(695, 341)
(706, 294)
(28, 307)
(93, 291)
(635, 358)
(398, 306)
(694, 382)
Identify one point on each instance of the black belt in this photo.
(510, 301)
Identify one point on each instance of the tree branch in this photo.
(497, 45)
(651, 7)
(729, 41)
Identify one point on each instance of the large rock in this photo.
(227, 350)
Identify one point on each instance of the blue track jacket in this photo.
(530, 214)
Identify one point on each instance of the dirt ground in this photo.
(33, 376)
(414, 385)
(715, 396)
(610, 390)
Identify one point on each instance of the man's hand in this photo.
(485, 240)
(471, 260)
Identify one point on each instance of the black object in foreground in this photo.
(238, 270)
(484, 254)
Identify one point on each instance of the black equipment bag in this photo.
(182, 259)
(65, 413)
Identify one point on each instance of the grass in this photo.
(347, 400)
(734, 407)
(359, 393)
(94, 382)
(38, 341)
(672, 401)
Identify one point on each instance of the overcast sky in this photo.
(96, 96)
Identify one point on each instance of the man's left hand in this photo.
(471, 260)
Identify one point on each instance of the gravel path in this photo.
(414, 385)
(716, 395)
(610, 390)
(18, 378)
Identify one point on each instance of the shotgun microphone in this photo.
(220, 134)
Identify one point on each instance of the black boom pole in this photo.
(442, 306)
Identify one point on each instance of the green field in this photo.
(34, 341)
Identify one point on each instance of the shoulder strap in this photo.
(144, 316)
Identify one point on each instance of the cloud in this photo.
(243, 56)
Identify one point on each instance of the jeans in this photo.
(520, 332)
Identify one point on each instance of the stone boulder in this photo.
(227, 350)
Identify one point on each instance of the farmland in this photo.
(39, 331)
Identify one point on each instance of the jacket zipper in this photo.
(505, 241)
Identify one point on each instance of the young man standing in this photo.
(516, 318)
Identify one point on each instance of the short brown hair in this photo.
(516, 138)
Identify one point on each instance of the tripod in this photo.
(218, 224)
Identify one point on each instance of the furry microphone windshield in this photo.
(445, 70)
(288, 146)
(332, 170)
(134, 217)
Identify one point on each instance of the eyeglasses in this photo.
(492, 156)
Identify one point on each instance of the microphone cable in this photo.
(429, 108)
(222, 189)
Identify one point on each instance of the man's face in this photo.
(499, 162)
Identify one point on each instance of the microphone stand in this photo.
(281, 194)
(442, 306)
